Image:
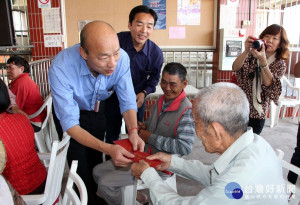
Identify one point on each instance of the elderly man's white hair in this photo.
(225, 103)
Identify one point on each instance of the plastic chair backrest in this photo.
(43, 138)
(297, 83)
(70, 196)
(48, 104)
(295, 87)
(284, 101)
(55, 174)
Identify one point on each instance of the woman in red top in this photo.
(28, 97)
(23, 169)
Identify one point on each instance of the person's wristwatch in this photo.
(145, 93)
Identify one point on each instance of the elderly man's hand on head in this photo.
(120, 156)
(165, 158)
(137, 169)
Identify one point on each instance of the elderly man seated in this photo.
(170, 128)
(247, 171)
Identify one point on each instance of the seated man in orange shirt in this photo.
(23, 169)
(28, 97)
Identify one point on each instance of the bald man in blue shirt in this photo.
(81, 77)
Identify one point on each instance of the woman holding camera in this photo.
(258, 71)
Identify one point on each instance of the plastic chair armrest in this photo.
(41, 108)
(44, 156)
(34, 199)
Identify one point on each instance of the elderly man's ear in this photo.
(223, 140)
(220, 135)
(217, 130)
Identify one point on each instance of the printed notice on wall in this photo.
(188, 12)
(176, 32)
(44, 3)
(52, 40)
(51, 20)
(227, 16)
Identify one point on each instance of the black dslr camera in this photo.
(257, 44)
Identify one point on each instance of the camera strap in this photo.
(257, 90)
(257, 82)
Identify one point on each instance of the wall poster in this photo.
(159, 6)
(188, 12)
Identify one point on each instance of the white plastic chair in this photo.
(5, 195)
(70, 196)
(295, 199)
(285, 102)
(55, 174)
(44, 138)
(129, 191)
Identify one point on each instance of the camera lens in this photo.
(257, 44)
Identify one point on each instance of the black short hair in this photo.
(4, 97)
(176, 69)
(19, 61)
(142, 9)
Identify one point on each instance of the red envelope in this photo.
(138, 154)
